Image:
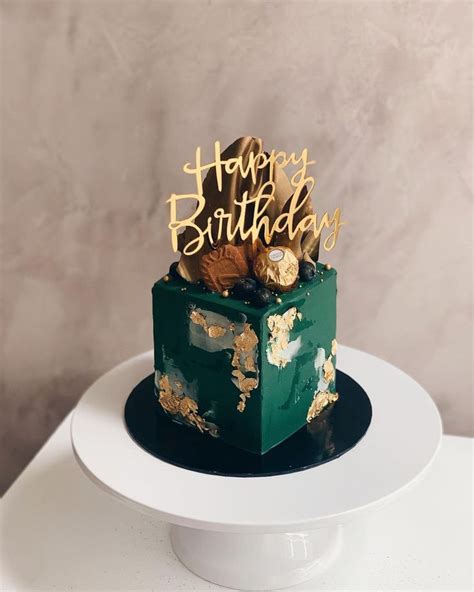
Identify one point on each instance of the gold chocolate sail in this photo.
(233, 186)
(296, 244)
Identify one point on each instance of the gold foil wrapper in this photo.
(277, 268)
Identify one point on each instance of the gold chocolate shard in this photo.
(223, 197)
(308, 258)
(320, 401)
(280, 327)
(296, 243)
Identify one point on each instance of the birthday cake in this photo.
(244, 323)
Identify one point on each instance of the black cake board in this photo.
(335, 431)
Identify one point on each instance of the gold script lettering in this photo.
(227, 227)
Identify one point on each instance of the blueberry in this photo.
(245, 288)
(307, 271)
(173, 272)
(262, 297)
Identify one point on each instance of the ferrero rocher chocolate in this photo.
(221, 268)
(276, 268)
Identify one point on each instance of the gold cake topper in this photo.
(246, 197)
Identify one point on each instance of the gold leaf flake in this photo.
(320, 401)
(333, 347)
(197, 318)
(328, 370)
(244, 345)
(237, 373)
(213, 331)
(248, 384)
(249, 364)
(243, 361)
(183, 406)
(247, 340)
(168, 400)
(280, 327)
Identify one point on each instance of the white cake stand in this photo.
(263, 532)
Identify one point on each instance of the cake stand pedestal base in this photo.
(256, 561)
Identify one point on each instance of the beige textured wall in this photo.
(104, 100)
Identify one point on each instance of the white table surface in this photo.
(61, 532)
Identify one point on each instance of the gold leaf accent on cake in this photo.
(242, 402)
(243, 361)
(320, 401)
(198, 318)
(213, 331)
(238, 337)
(183, 406)
(249, 364)
(333, 347)
(280, 327)
(246, 341)
(248, 384)
(168, 400)
(329, 372)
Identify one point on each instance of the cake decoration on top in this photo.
(253, 233)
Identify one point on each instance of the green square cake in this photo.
(248, 375)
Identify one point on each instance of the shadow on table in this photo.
(59, 531)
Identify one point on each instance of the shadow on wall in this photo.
(44, 405)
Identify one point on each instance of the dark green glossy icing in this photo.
(278, 406)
